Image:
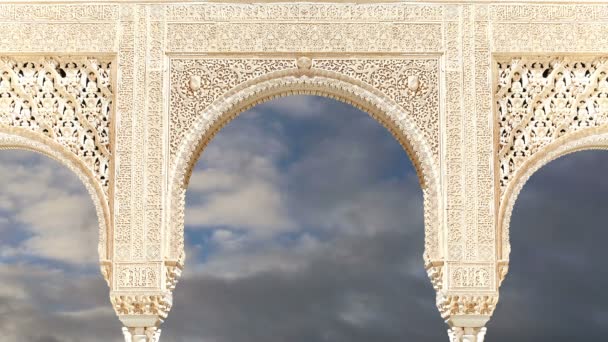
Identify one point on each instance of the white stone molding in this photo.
(141, 334)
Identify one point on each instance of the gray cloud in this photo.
(555, 290)
(50, 289)
(38, 303)
(353, 270)
(343, 261)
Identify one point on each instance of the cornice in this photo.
(486, 2)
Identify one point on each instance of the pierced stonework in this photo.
(540, 102)
(68, 100)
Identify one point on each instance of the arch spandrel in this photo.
(547, 106)
(407, 103)
(61, 107)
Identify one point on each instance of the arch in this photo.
(595, 138)
(311, 82)
(18, 138)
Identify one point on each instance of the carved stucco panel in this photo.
(304, 37)
(205, 102)
(324, 12)
(66, 99)
(541, 101)
(484, 148)
(73, 13)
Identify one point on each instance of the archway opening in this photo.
(555, 287)
(304, 222)
(50, 285)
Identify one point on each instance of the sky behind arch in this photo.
(303, 223)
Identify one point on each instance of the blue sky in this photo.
(304, 222)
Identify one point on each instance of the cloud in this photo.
(349, 289)
(257, 207)
(349, 269)
(238, 182)
(313, 232)
(42, 304)
(300, 107)
(50, 214)
(555, 287)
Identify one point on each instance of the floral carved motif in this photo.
(196, 83)
(452, 305)
(68, 100)
(142, 304)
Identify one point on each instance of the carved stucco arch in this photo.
(313, 82)
(547, 107)
(588, 139)
(21, 139)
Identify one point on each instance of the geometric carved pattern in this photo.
(540, 100)
(68, 100)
